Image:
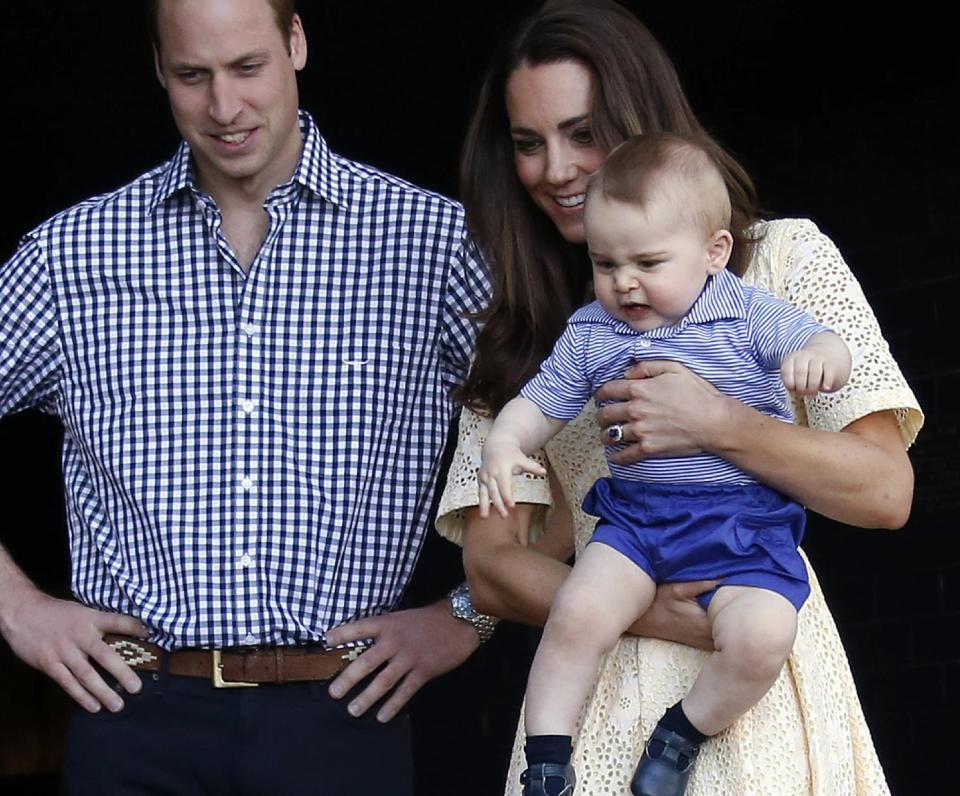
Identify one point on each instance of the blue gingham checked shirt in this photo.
(247, 459)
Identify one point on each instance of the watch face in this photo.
(462, 607)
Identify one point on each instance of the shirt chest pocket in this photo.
(377, 371)
(362, 397)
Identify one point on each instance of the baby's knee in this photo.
(759, 649)
(576, 619)
(757, 657)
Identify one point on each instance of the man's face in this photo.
(230, 75)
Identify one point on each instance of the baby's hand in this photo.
(502, 459)
(807, 372)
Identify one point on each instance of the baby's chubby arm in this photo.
(822, 365)
(519, 430)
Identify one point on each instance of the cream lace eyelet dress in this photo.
(808, 734)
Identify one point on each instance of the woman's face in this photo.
(554, 150)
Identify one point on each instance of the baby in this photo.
(657, 218)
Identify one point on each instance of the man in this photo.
(251, 349)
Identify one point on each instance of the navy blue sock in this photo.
(549, 749)
(676, 720)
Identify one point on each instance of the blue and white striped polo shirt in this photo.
(735, 336)
(248, 459)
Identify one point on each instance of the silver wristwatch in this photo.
(462, 607)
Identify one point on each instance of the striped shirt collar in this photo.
(316, 171)
(720, 299)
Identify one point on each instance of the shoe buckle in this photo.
(672, 754)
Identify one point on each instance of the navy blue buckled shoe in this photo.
(666, 775)
(534, 779)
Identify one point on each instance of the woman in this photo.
(577, 79)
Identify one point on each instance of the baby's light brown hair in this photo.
(673, 168)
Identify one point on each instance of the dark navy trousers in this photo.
(180, 737)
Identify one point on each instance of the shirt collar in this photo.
(720, 299)
(317, 170)
(176, 176)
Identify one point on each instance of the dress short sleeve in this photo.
(805, 267)
(460, 492)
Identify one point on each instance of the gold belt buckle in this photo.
(216, 676)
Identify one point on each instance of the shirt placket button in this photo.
(249, 333)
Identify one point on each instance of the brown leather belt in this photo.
(236, 668)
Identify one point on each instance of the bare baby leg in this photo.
(603, 596)
(753, 633)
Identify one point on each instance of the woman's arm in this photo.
(520, 583)
(506, 578)
(860, 476)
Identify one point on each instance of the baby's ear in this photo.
(719, 248)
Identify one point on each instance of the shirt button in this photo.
(245, 560)
(247, 483)
(644, 343)
(249, 640)
(250, 329)
(248, 406)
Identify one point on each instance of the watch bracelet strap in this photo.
(485, 625)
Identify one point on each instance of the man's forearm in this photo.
(13, 583)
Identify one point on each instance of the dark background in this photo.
(842, 113)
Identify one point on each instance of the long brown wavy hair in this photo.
(538, 277)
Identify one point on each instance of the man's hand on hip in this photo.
(410, 648)
(61, 638)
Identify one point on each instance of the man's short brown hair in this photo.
(283, 13)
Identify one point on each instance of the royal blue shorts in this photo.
(742, 534)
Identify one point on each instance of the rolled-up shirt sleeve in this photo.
(30, 351)
(468, 292)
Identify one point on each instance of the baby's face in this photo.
(650, 264)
